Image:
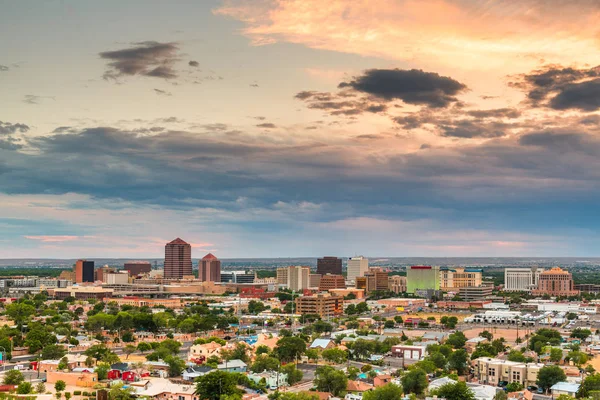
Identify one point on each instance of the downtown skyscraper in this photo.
(178, 259)
(209, 269)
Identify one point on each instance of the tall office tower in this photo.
(209, 269)
(298, 277)
(137, 267)
(282, 276)
(357, 266)
(422, 277)
(556, 282)
(521, 279)
(84, 271)
(178, 259)
(329, 265)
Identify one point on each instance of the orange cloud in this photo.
(454, 33)
(54, 239)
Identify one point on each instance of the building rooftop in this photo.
(209, 256)
(178, 241)
(566, 387)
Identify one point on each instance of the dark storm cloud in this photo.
(194, 63)
(7, 128)
(151, 59)
(584, 96)
(495, 113)
(192, 167)
(267, 125)
(411, 86)
(562, 88)
(340, 103)
(474, 129)
(561, 141)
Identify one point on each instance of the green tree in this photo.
(59, 386)
(290, 348)
(550, 375)
(438, 360)
(414, 381)
(144, 347)
(556, 354)
(13, 377)
(24, 388)
(312, 354)
(581, 333)
(293, 373)
(176, 365)
(455, 391)
(102, 370)
(487, 334)
(53, 352)
(264, 363)
(262, 349)
(501, 395)
(590, 384)
(40, 388)
(362, 348)
(579, 358)
(120, 392)
(514, 387)
(386, 392)
(457, 340)
(216, 384)
(335, 355)
(516, 356)
(20, 312)
(129, 349)
(458, 361)
(328, 379)
(255, 307)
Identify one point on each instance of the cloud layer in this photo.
(152, 59)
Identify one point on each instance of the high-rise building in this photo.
(178, 259)
(357, 266)
(374, 279)
(456, 278)
(84, 271)
(521, 279)
(329, 265)
(422, 277)
(329, 281)
(475, 293)
(298, 277)
(323, 304)
(397, 284)
(137, 267)
(556, 282)
(282, 276)
(209, 269)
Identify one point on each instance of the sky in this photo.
(288, 128)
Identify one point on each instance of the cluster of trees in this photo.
(542, 338)
(357, 309)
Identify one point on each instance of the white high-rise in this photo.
(298, 278)
(521, 279)
(357, 266)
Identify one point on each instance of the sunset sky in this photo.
(299, 128)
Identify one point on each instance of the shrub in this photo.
(77, 393)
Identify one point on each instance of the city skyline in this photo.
(285, 128)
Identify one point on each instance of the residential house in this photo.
(358, 387)
(471, 344)
(570, 389)
(164, 389)
(204, 351)
(80, 379)
(273, 379)
(322, 344)
(191, 373)
(382, 380)
(232, 366)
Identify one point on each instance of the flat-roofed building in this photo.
(357, 266)
(475, 293)
(314, 280)
(137, 267)
(397, 284)
(458, 277)
(81, 292)
(329, 265)
(282, 276)
(84, 271)
(521, 279)
(376, 279)
(491, 371)
(323, 304)
(422, 277)
(330, 281)
(556, 282)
